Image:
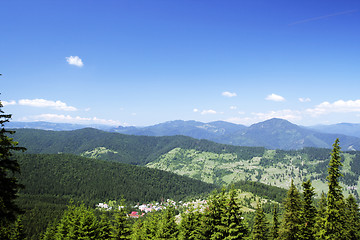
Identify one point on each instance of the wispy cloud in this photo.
(210, 111)
(233, 107)
(58, 105)
(195, 110)
(70, 119)
(304, 100)
(323, 17)
(75, 60)
(5, 103)
(275, 97)
(339, 106)
(229, 94)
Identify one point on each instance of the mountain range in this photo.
(272, 134)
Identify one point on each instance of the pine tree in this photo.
(309, 212)
(275, 224)
(121, 226)
(8, 167)
(261, 225)
(321, 218)
(168, 228)
(352, 218)
(104, 227)
(191, 225)
(215, 227)
(335, 214)
(292, 216)
(236, 226)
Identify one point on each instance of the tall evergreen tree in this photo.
(276, 224)
(321, 218)
(261, 225)
(352, 218)
(236, 226)
(168, 228)
(8, 167)
(292, 216)
(191, 225)
(121, 226)
(309, 212)
(214, 227)
(335, 214)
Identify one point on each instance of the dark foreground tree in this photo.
(9, 185)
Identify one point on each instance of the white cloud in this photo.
(5, 103)
(75, 60)
(233, 107)
(195, 110)
(275, 97)
(210, 111)
(304, 100)
(229, 94)
(70, 119)
(339, 106)
(58, 105)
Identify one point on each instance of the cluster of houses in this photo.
(150, 207)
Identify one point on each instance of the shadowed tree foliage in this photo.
(9, 185)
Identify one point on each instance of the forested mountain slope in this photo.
(138, 150)
(199, 159)
(93, 180)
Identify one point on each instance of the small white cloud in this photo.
(228, 94)
(5, 103)
(275, 97)
(58, 105)
(210, 111)
(70, 119)
(304, 100)
(233, 107)
(339, 106)
(195, 110)
(75, 60)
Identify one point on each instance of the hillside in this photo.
(52, 180)
(137, 150)
(199, 159)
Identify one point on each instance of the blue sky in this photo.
(145, 62)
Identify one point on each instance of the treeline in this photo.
(274, 193)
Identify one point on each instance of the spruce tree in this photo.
(292, 216)
(8, 168)
(335, 214)
(275, 224)
(168, 228)
(236, 226)
(321, 218)
(191, 224)
(104, 227)
(352, 218)
(261, 225)
(121, 226)
(309, 212)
